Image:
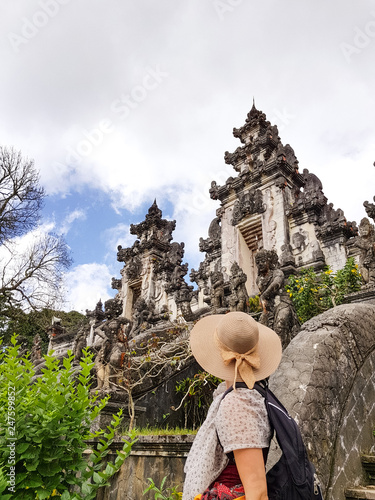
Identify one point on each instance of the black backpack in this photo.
(293, 477)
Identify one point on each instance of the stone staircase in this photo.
(364, 492)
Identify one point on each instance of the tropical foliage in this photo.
(313, 293)
(45, 422)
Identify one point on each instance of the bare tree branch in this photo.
(154, 363)
(32, 261)
(21, 197)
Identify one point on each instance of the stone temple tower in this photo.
(153, 269)
(270, 204)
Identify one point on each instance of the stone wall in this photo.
(151, 457)
(356, 432)
(326, 380)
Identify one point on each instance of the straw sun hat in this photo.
(235, 347)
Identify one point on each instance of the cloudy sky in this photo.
(120, 102)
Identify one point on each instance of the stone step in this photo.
(368, 463)
(360, 493)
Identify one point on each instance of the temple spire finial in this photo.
(253, 111)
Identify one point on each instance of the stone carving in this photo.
(177, 278)
(109, 361)
(170, 269)
(200, 277)
(98, 313)
(333, 223)
(366, 243)
(214, 190)
(183, 298)
(116, 284)
(286, 257)
(153, 230)
(370, 209)
(113, 308)
(126, 254)
(269, 281)
(237, 158)
(78, 346)
(213, 242)
(133, 269)
(300, 240)
(176, 253)
(217, 289)
(281, 182)
(290, 156)
(313, 189)
(248, 203)
(273, 133)
(270, 224)
(278, 312)
(143, 316)
(316, 252)
(239, 298)
(36, 350)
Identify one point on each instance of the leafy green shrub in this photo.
(313, 294)
(162, 493)
(45, 422)
(255, 307)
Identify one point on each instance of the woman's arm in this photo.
(250, 465)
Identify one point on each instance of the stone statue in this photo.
(286, 323)
(113, 308)
(36, 350)
(177, 277)
(176, 253)
(270, 280)
(79, 345)
(143, 315)
(278, 311)
(217, 289)
(239, 299)
(101, 365)
(213, 242)
(109, 361)
(214, 189)
(366, 243)
(313, 190)
(116, 284)
(370, 209)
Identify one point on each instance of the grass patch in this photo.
(155, 431)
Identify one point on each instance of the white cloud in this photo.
(86, 285)
(68, 102)
(118, 235)
(70, 219)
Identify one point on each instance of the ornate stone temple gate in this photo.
(270, 204)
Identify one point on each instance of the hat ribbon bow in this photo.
(244, 364)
